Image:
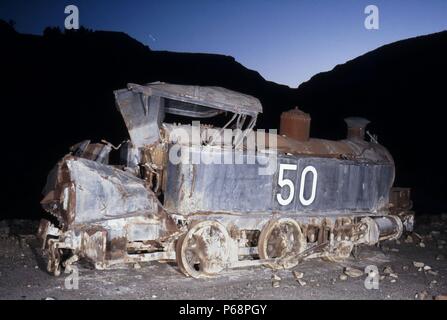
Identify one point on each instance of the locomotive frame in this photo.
(323, 199)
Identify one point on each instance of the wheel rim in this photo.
(278, 239)
(204, 250)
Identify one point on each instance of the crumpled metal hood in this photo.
(84, 191)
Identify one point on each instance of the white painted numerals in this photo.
(287, 182)
(308, 169)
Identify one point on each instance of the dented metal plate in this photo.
(88, 191)
(340, 186)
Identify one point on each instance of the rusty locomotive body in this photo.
(214, 198)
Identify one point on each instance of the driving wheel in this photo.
(280, 238)
(204, 250)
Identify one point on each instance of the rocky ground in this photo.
(413, 267)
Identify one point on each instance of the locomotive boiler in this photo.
(217, 197)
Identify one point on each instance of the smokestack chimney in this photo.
(295, 124)
(356, 128)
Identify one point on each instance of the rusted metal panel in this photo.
(98, 152)
(93, 245)
(343, 149)
(400, 198)
(401, 205)
(142, 115)
(89, 191)
(341, 185)
(105, 192)
(216, 187)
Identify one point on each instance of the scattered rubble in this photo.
(418, 264)
(301, 282)
(432, 272)
(408, 239)
(388, 270)
(298, 275)
(400, 279)
(423, 295)
(343, 277)
(417, 235)
(276, 281)
(353, 272)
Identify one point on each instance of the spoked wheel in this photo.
(280, 238)
(204, 250)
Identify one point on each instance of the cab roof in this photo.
(212, 97)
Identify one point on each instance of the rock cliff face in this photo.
(57, 90)
(401, 88)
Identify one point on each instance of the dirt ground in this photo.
(23, 275)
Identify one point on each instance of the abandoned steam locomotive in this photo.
(180, 194)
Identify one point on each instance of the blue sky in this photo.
(285, 41)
